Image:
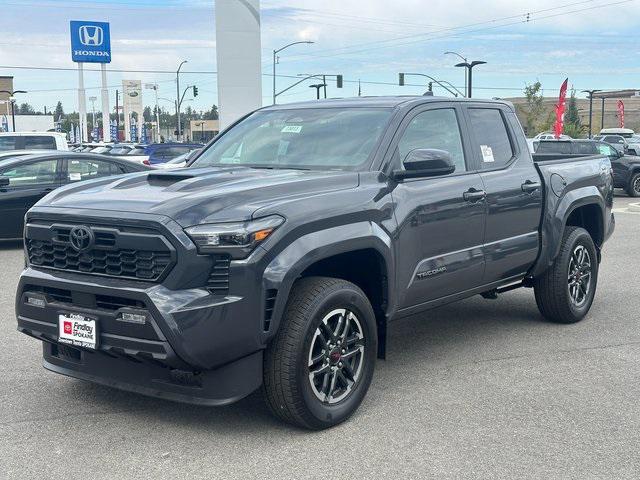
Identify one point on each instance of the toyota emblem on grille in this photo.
(81, 238)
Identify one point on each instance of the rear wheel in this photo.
(634, 186)
(565, 292)
(319, 367)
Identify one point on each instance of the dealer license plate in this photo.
(77, 330)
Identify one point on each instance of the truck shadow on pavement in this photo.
(466, 332)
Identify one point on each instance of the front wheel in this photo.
(319, 366)
(565, 292)
(634, 186)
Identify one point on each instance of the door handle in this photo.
(530, 187)
(473, 195)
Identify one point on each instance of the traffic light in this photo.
(339, 81)
(401, 79)
(195, 91)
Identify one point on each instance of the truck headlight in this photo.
(233, 237)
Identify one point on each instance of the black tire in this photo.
(552, 289)
(633, 189)
(287, 385)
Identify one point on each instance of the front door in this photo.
(28, 183)
(440, 219)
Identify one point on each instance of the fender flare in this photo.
(553, 227)
(287, 266)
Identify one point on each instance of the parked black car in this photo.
(280, 257)
(626, 168)
(25, 179)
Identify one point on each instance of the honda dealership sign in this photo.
(90, 42)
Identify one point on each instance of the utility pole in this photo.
(469, 67)
(602, 116)
(275, 61)
(178, 99)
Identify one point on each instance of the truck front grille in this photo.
(137, 264)
(115, 252)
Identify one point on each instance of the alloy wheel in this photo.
(579, 277)
(336, 356)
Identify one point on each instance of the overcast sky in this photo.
(594, 43)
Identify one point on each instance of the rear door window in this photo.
(86, 169)
(40, 142)
(492, 142)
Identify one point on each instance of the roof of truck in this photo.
(388, 102)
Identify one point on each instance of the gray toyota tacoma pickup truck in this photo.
(281, 255)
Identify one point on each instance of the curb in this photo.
(634, 207)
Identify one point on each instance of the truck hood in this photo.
(195, 196)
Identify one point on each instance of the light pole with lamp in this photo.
(178, 98)
(154, 87)
(455, 92)
(464, 59)
(12, 101)
(275, 61)
(469, 68)
(590, 92)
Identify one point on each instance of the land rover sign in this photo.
(90, 42)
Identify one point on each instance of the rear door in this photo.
(28, 183)
(440, 226)
(513, 188)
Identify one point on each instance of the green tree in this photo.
(211, 114)
(59, 111)
(25, 109)
(572, 123)
(533, 109)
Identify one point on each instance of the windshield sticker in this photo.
(292, 129)
(282, 148)
(487, 153)
(74, 177)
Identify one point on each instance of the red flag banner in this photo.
(620, 113)
(560, 108)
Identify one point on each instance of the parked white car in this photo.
(33, 141)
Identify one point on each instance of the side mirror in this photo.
(427, 162)
(4, 181)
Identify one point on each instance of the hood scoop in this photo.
(167, 179)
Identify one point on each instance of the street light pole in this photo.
(318, 86)
(178, 98)
(469, 68)
(275, 61)
(12, 101)
(590, 92)
(154, 87)
(464, 59)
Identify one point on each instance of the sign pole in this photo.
(106, 124)
(82, 104)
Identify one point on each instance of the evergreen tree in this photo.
(59, 111)
(572, 123)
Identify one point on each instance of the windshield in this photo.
(312, 138)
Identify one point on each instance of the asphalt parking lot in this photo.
(478, 389)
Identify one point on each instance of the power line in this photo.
(525, 18)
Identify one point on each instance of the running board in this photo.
(493, 294)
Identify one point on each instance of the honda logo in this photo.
(91, 35)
